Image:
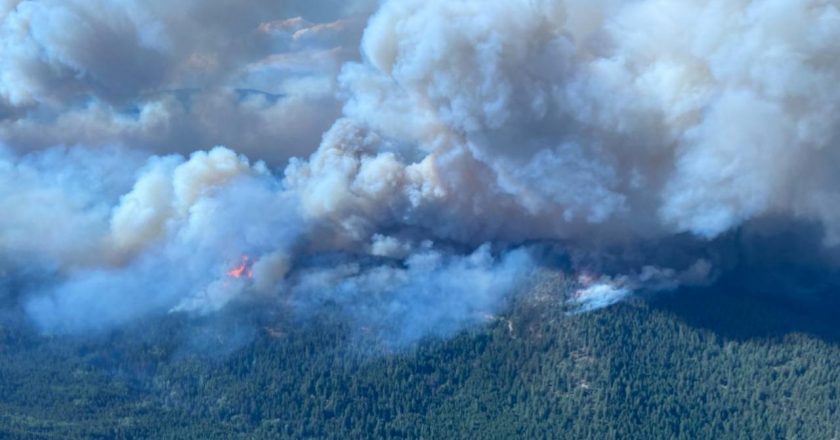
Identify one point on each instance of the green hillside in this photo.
(686, 366)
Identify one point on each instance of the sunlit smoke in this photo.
(626, 143)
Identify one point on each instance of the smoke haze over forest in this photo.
(411, 162)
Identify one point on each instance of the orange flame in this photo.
(243, 270)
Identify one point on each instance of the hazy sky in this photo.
(174, 76)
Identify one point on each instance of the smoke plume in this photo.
(476, 142)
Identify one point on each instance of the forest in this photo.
(708, 363)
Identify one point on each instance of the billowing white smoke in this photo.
(548, 119)
(193, 235)
(467, 122)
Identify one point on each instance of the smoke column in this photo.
(472, 134)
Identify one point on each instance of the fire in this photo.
(243, 270)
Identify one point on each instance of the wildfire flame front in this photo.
(243, 270)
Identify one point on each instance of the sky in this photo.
(413, 163)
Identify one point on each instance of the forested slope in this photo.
(681, 366)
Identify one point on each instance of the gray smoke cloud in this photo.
(472, 134)
(170, 77)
